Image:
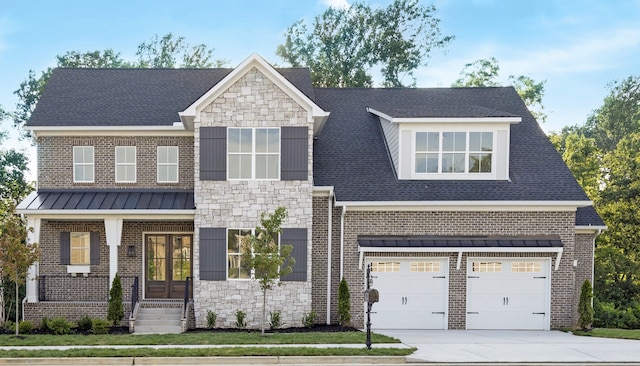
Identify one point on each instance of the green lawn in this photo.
(210, 352)
(610, 333)
(203, 338)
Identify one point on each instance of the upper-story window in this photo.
(167, 164)
(453, 152)
(83, 167)
(253, 153)
(125, 164)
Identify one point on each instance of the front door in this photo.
(167, 265)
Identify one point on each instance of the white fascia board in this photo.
(508, 120)
(460, 250)
(175, 130)
(590, 229)
(322, 191)
(266, 69)
(463, 205)
(101, 214)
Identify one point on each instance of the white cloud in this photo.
(340, 4)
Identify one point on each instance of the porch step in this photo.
(158, 320)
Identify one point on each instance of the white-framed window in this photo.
(167, 164)
(80, 249)
(125, 164)
(253, 153)
(424, 267)
(447, 152)
(237, 269)
(83, 167)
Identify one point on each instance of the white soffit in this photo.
(506, 120)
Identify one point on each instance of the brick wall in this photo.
(55, 161)
(584, 269)
(253, 101)
(563, 283)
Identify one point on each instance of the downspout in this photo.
(344, 211)
(329, 234)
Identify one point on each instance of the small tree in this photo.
(344, 303)
(585, 307)
(262, 254)
(115, 312)
(16, 254)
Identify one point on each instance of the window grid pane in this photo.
(125, 164)
(253, 153)
(487, 266)
(424, 267)
(167, 164)
(528, 267)
(83, 164)
(80, 248)
(385, 266)
(236, 268)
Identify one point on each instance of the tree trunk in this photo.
(17, 317)
(3, 316)
(264, 307)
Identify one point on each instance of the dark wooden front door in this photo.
(167, 264)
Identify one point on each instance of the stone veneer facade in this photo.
(253, 101)
(565, 282)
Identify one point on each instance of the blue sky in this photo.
(578, 46)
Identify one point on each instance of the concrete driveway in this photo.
(489, 346)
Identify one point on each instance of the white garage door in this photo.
(508, 293)
(413, 293)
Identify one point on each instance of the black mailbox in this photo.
(371, 296)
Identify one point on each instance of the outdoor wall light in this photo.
(131, 251)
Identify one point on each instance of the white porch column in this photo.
(113, 231)
(32, 273)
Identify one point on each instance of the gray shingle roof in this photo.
(427, 111)
(457, 242)
(109, 200)
(131, 97)
(587, 216)
(350, 152)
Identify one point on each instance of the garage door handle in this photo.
(473, 276)
(540, 278)
(539, 313)
(439, 277)
(437, 312)
(472, 312)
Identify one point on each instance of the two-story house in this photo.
(454, 197)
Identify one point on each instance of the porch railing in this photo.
(186, 297)
(134, 293)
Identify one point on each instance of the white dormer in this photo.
(447, 143)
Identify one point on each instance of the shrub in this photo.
(585, 308)
(344, 303)
(84, 324)
(241, 321)
(60, 326)
(44, 324)
(606, 315)
(309, 320)
(276, 320)
(25, 327)
(115, 312)
(211, 319)
(100, 326)
(10, 325)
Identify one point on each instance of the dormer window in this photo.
(453, 152)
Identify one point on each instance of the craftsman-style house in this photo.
(454, 197)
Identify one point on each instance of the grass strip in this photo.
(197, 338)
(610, 333)
(208, 352)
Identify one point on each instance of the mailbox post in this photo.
(371, 296)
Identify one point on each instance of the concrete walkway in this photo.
(499, 346)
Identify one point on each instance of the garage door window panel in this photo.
(487, 266)
(385, 267)
(424, 267)
(526, 267)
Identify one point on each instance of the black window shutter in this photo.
(65, 247)
(213, 153)
(294, 152)
(213, 254)
(94, 248)
(298, 239)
